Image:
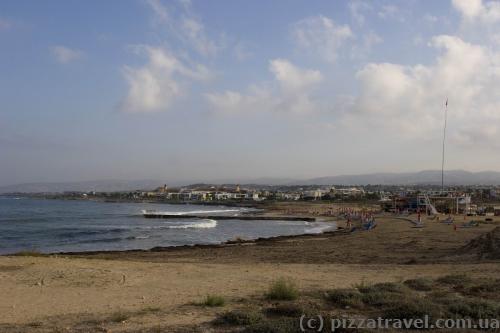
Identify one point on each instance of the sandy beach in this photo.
(153, 290)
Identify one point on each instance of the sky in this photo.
(206, 90)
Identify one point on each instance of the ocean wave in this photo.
(137, 237)
(318, 229)
(103, 240)
(205, 224)
(83, 233)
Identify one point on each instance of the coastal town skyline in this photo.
(151, 89)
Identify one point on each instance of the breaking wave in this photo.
(205, 224)
(318, 228)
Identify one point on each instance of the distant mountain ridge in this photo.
(83, 186)
(427, 177)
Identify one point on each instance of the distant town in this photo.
(471, 200)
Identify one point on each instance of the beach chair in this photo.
(449, 220)
(470, 224)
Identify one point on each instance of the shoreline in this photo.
(266, 214)
(162, 287)
(173, 248)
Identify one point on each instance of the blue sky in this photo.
(204, 90)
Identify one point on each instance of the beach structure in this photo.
(456, 203)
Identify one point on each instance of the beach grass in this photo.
(213, 301)
(413, 299)
(345, 297)
(420, 284)
(119, 317)
(149, 309)
(241, 317)
(456, 280)
(283, 290)
(287, 310)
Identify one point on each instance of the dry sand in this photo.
(61, 292)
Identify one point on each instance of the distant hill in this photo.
(428, 177)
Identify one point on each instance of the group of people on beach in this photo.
(366, 217)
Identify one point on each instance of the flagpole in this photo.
(444, 139)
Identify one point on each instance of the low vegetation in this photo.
(450, 296)
(455, 280)
(119, 317)
(283, 290)
(345, 297)
(420, 284)
(242, 317)
(213, 301)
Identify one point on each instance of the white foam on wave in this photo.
(318, 228)
(205, 224)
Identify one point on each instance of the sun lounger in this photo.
(449, 220)
(470, 224)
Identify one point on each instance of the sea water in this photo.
(44, 225)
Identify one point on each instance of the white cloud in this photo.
(362, 49)
(293, 78)
(242, 51)
(290, 92)
(155, 86)
(409, 100)
(476, 10)
(358, 9)
(390, 12)
(185, 26)
(430, 18)
(160, 11)
(495, 39)
(65, 54)
(320, 34)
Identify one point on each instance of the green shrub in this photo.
(281, 325)
(383, 294)
(149, 309)
(488, 286)
(412, 308)
(213, 301)
(345, 297)
(283, 289)
(474, 309)
(445, 298)
(240, 317)
(420, 284)
(456, 280)
(392, 287)
(286, 310)
(380, 298)
(119, 317)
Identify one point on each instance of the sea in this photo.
(54, 226)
